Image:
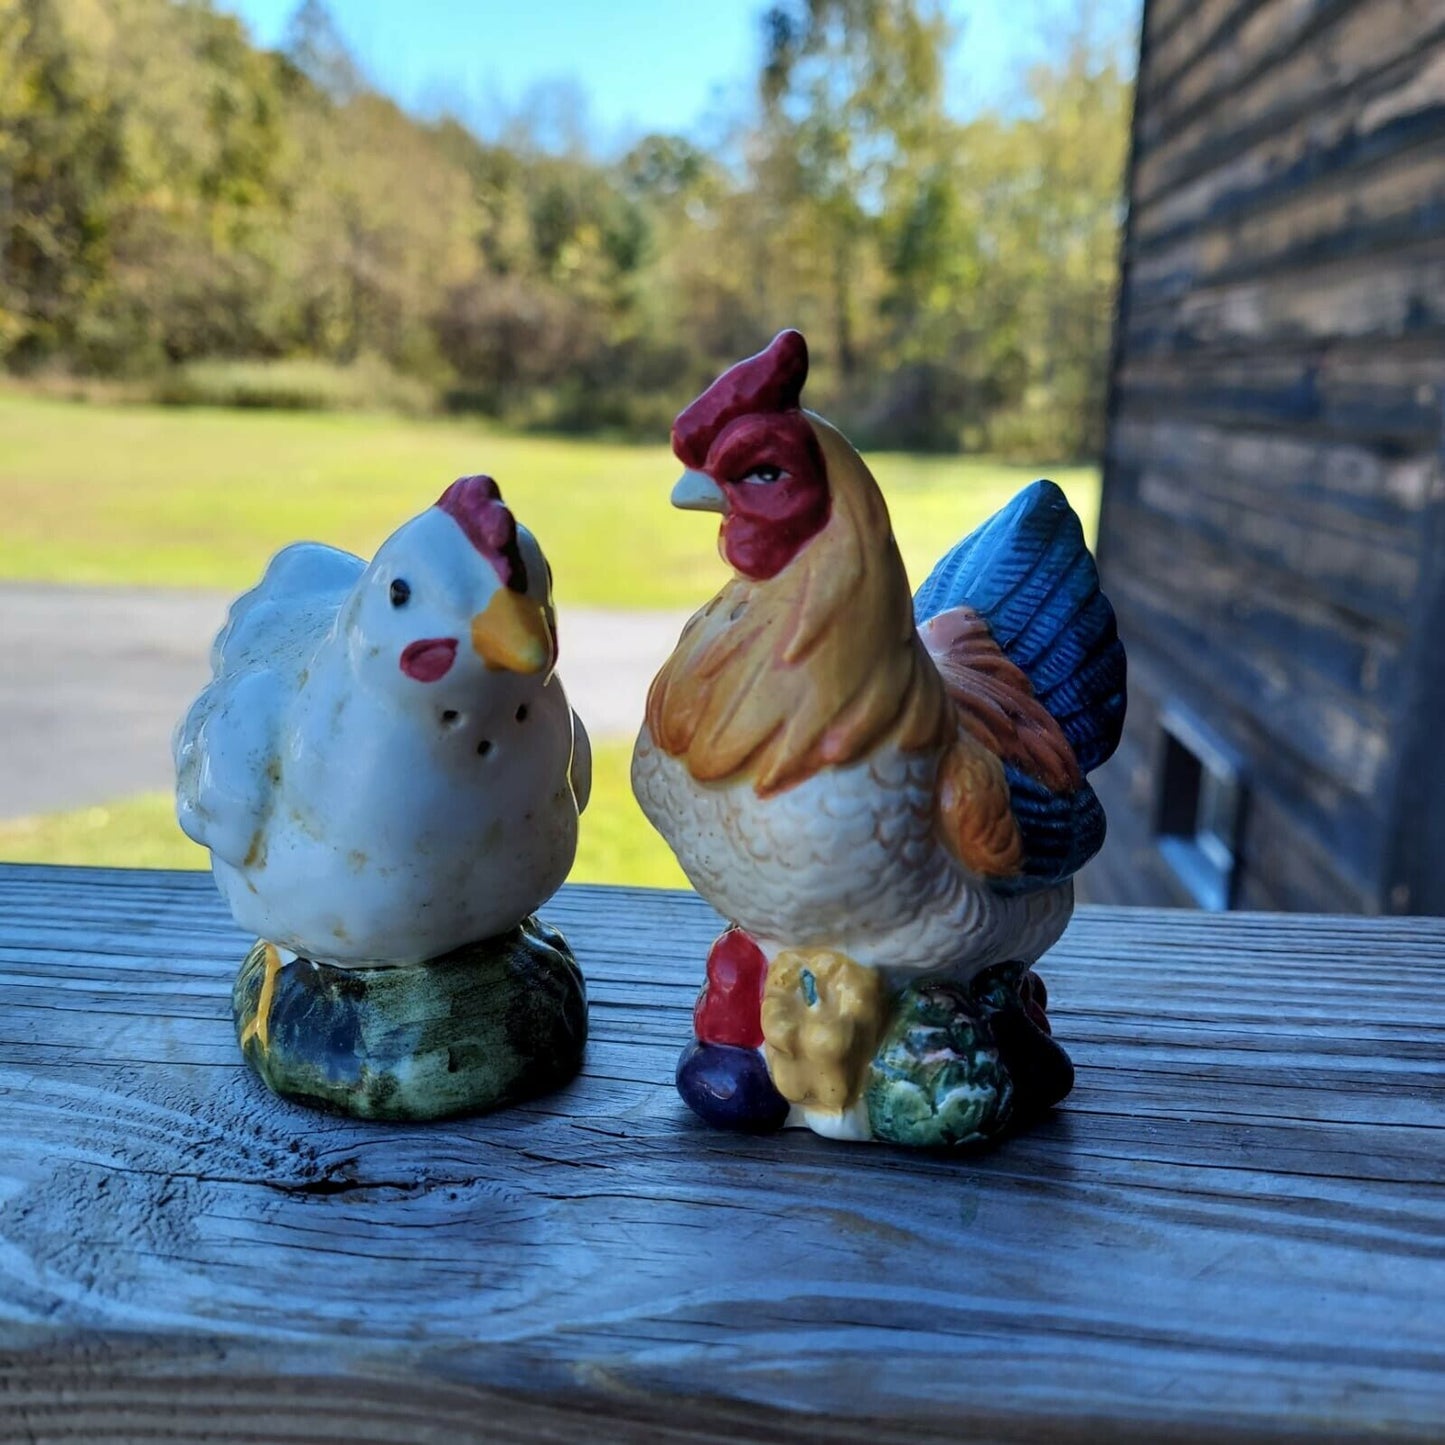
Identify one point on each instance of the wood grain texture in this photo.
(1304, 837)
(1416, 868)
(1354, 299)
(1245, 649)
(1301, 477)
(1293, 60)
(1275, 462)
(1184, 31)
(1236, 1226)
(1352, 393)
(1301, 201)
(1303, 555)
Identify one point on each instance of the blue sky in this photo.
(675, 65)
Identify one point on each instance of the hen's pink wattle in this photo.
(429, 658)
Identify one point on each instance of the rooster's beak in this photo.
(513, 632)
(697, 492)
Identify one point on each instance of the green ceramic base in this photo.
(486, 1025)
(961, 1066)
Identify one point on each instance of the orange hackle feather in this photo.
(811, 668)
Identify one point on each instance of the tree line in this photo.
(171, 194)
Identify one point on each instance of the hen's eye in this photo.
(764, 474)
(400, 592)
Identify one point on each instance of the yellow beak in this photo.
(513, 632)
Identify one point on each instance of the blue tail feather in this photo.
(1061, 831)
(1028, 572)
(1073, 645)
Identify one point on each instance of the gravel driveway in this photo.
(93, 678)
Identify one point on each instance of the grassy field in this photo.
(202, 498)
(617, 843)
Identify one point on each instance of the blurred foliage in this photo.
(171, 195)
(298, 384)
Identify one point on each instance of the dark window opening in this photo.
(1199, 811)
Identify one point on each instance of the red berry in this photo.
(729, 1008)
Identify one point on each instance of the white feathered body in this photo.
(348, 826)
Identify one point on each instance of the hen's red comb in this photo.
(771, 381)
(475, 504)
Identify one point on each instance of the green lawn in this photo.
(139, 494)
(617, 843)
(202, 498)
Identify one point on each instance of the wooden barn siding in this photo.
(1416, 866)
(1285, 862)
(1274, 466)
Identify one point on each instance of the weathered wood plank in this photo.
(1203, 612)
(1303, 474)
(1416, 865)
(1169, 667)
(1359, 203)
(1134, 871)
(1235, 1227)
(1264, 612)
(1384, 398)
(1343, 598)
(1274, 470)
(1195, 30)
(1287, 865)
(1129, 869)
(1273, 162)
(1341, 54)
(1226, 43)
(1305, 559)
(1375, 297)
(1127, 247)
(1161, 17)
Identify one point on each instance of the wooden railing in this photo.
(1235, 1225)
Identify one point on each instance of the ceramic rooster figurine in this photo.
(885, 796)
(388, 775)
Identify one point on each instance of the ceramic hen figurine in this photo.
(885, 796)
(388, 775)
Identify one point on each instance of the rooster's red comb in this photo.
(771, 381)
(475, 504)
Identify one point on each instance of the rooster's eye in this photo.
(764, 474)
(400, 592)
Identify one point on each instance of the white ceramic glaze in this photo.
(361, 811)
